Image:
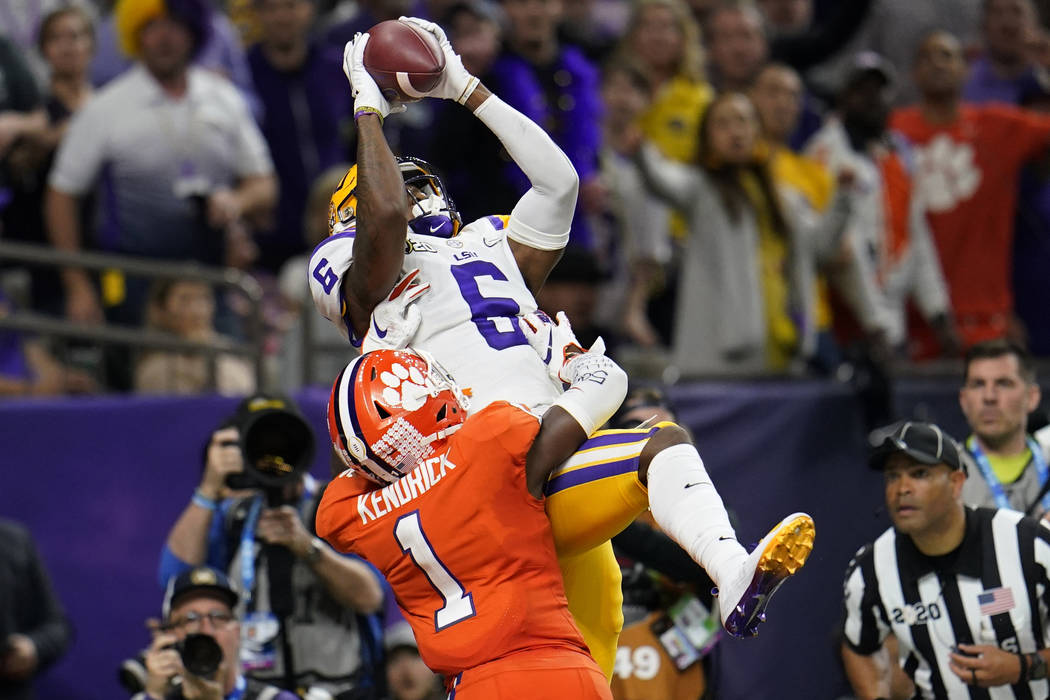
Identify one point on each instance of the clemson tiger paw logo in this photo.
(404, 387)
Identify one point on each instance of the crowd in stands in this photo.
(766, 187)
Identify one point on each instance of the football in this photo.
(404, 60)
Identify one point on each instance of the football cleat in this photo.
(742, 602)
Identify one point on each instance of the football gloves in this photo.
(367, 95)
(555, 343)
(396, 319)
(456, 82)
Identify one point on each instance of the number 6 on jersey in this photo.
(459, 605)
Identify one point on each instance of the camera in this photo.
(277, 444)
(201, 656)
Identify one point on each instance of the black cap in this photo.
(923, 442)
(197, 579)
(867, 63)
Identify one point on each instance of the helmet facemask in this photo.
(433, 213)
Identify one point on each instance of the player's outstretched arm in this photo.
(597, 388)
(379, 244)
(539, 224)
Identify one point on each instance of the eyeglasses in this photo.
(191, 621)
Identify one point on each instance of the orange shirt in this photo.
(968, 172)
(466, 548)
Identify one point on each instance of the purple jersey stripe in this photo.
(594, 473)
(496, 221)
(617, 439)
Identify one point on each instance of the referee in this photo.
(961, 594)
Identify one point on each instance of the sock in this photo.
(686, 505)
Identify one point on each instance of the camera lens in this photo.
(201, 654)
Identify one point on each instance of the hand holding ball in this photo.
(405, 61)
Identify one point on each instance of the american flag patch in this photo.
(995, 601)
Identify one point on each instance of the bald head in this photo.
(939, 69)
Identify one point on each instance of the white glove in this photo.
(395, 320)
(367, 95)
(456, 82)
(555, 343)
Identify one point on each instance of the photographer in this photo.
(195, 649)
(307, 612)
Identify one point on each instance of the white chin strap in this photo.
(433, 204)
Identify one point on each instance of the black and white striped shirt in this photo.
(992, 590)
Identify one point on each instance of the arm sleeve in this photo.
(820, 232)
(927, 284)
(22, 92)
(548, 207)
(82, 152)
(675, 182)
(863, 630)
(1027, 132)
(51, 634)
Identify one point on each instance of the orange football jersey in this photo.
(466, 548)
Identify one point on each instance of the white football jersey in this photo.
(470, 315)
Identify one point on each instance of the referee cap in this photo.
(923, 442)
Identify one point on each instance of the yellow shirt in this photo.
(773, 259)
(1009, 469)
(672, 124)
(814, 182)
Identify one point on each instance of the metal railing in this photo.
(111, 334)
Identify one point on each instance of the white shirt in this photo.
(153, 153)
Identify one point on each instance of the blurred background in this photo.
(867, 197)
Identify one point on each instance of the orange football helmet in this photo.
(389, 409)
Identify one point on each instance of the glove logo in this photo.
(404, 387)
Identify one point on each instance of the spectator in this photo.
(221, 53)
(892, 29)
(805, 184)
(196, 596)
(999, 391)
(969, 159)
(28, 368)
(21, 111)
(736, 44)
(634, 227)
(186, 310)
(891, 255)
(555, 86)
(295, 298)
(181, 160)
(66, 42)
(664, 38)
(738, 48)
(305, 122)
(1005, 69)
(795, 39)
(1031, 254)
(407, 677)
(960, 589)
(323, 632)
(747, 273)
(33, 627)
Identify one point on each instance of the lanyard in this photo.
(1001, 501)
(238, 691)
(247, 548)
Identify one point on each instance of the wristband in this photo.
(199, 499)
(362, 111)
(1023, 676)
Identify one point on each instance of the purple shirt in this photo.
(304, 112)
(985, 86)
(563, 98)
